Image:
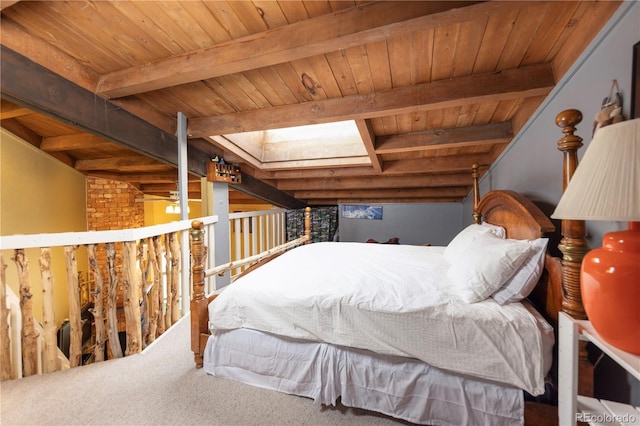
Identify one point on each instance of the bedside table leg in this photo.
(567, 370)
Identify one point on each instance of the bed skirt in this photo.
(400, 387)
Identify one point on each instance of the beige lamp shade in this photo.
(606, 183)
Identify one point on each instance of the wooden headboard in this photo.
(523, 220)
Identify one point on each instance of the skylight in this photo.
(316, 145)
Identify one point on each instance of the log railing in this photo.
(127, 285)
(134, 284)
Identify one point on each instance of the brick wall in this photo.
(111, 205)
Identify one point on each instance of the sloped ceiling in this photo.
(429, 88)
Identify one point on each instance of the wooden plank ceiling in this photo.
(430, 88)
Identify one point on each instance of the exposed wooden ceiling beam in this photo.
(445, 138)
(20, 130)
(534, 80)
(449, 163)
(362, 24)
(409, 181)
(11, 110)
(121, 163)
(334, 201)
(75, 141)
(460, 191)
(140, 178)
(368, 137)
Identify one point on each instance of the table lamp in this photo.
(606, 186)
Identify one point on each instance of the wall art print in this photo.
(361, 211)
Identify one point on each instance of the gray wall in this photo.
(435, 224)
(532, 165)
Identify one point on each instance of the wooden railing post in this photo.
(131, 293)
(307, 224)
(112, 291)
(5, 350)
(156, 292)
(98, 304)
(175, 277)
(50, 361)
(199, 318)
(75, 315)
(29, 333)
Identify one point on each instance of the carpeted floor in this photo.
(160, 387)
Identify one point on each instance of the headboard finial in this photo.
(477, 216)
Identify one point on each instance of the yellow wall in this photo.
(39, 194)
(154, 212)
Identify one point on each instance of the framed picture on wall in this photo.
(635, 82)
(359, 211)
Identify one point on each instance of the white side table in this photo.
(573, 407)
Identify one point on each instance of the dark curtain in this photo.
(324, 223)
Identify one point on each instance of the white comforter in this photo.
(390, 299)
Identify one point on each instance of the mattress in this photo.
(392, 300)
(404, 388)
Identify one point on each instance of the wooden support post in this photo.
(50, 361)
(131, 293)
(75, 311)
(175, 277)
(98, 304)
(112, 316)
(199, 317)
(29, 333)
(5, 349)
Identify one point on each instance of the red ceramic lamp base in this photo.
(610, 283)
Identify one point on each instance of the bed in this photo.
(431, 335)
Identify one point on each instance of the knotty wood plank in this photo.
(444, 49)
(524, 82)
(526, 24)
(595, 17)
(495, 38)
(40, 51)
(555, 20)
(467, 47)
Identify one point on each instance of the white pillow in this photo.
(465, 237)
(485, 265)
(522, 283)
